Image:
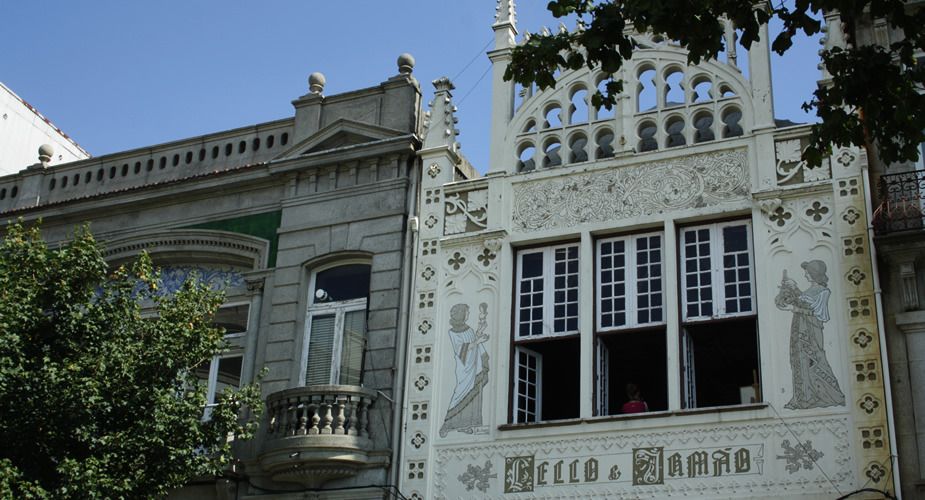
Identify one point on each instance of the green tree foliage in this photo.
(98, 400)
(874, 96)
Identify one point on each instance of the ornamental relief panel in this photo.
(792, 169)
(784, 218)
(466, 212)
(706, 461)
(689, 182)
(480, 260)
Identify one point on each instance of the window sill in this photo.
(636, 416)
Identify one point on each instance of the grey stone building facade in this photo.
(304, 222)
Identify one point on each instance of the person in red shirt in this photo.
(635, 403)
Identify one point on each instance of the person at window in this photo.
(814, 384)
(465, 413)
(635, 403)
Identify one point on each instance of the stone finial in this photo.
(505, 12)
(405, 63)
(45, 154)
(443, 84)
(316, 83)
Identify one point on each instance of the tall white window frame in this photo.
(557, 314)
(705, 268)
(339, 311)
(642, 267)
(547, 309)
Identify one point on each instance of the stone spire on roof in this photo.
(505, 26)
(440, 121)
(504, 13)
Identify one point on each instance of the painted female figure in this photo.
(814, 384)
(465, 413)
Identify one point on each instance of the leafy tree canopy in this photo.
(97, 394)
(875, 92)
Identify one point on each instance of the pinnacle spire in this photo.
(505, 13)
(505, 24)
(440, 122)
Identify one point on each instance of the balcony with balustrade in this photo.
(319, 433)
(902, 203)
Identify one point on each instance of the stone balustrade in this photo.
(318, 433)
(319, 410)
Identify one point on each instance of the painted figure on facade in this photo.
(465, 413)
(814, 384)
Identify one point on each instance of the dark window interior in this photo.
(638, 358)
(725, 360)
(232, 318)
(560, 384)
(343, 282)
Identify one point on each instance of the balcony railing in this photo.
(318, 433)
(902, 203)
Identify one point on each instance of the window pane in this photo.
(648, 268)
(566, 279)
(343, 282)
(229, 374)
(531, 265)
(697, 273)
(530, 294)
(354, 344)
(736, 271)
(611, 278)
(232, 318)
(320, 350)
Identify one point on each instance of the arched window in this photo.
(552, 158)
(525, 161)
(674, 129)
(578, 110)
(647, 140)
(578, 149)
(646, 98)
(703, 125)
(335, 333)
(731, 122)
(604, 144)
(674, 87)
(552, 116)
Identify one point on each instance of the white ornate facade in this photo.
(678, 245)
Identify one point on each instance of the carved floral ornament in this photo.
(691, 182)
(792, 169)
(466, 211)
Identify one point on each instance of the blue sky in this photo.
(117, 75)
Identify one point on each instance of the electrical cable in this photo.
(475, 85)
(476, 56)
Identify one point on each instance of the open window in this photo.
(546, 344)
(219, 373)
(336, 326)
(719, 338)
(630, 323)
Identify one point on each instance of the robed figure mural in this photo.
(814, 384)
(465, 411)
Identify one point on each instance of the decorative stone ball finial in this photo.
(405, 63)
(316, 83)
(45, 153)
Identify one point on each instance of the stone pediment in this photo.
(339, 134)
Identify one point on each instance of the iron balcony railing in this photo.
(902, 203)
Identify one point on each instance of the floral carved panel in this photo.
(466, 212)
(690, 182)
